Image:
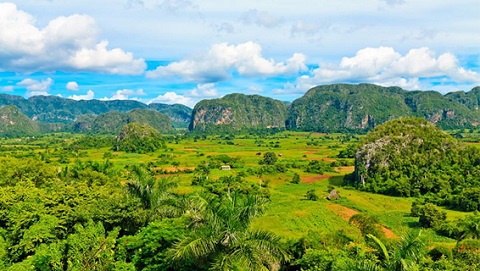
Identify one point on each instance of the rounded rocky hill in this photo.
(238, 111)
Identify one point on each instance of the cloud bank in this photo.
(385, 66)
(222, 60)
(65, 43)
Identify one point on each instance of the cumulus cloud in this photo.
(125, 94)
(261, 18)
(204, 90)
(90, 94)
(35, 87)
(223, 59)
(385, 66)
(173, 98)
(7, 88)
(65, 43)
(72, 86)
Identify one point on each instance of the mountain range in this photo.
(326, 108)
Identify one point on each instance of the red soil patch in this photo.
(315, 178)
(309, 152)
(174, 169)
(346, 213)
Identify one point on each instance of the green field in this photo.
(289, 214)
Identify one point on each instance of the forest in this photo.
(405, 196)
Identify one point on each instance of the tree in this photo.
(431, 216)
(295, 179)
(269, 158)
(311, 195)
(221, 239)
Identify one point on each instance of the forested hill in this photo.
(52, 109)
(113, 121)
(238, 111)
(343, 107)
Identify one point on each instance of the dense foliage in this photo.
(411, 157)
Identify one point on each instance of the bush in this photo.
(295, 179)
(311, 195)
(438, 251)
(431, 216)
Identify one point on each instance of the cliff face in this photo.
(238, 111)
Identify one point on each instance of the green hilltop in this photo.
(238, 111)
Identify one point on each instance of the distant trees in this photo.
(269, 158)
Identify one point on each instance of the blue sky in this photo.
(182, 51)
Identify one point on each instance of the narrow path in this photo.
(346, 213)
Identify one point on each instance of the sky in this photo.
(183, 51)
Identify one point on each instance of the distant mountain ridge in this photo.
(113, 121)
(326, 108)
(344, 107)
(53, 109)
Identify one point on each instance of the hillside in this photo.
(52, 109)
(238, 111)
(343, 107)
(411, 157)
(15, 124)
(111, 122)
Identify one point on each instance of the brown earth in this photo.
(315, 178)
(346, 213)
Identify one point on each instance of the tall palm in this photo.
(221, 238)
(402, 255)
(155, 195)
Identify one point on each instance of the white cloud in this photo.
(65, 43)
(7, 88)
(72, 85)
(223, 59)
(35, 87)
(261, 18)
(204, 90)
(90, 94)
(385, 66)
(306, 28)
(254, 89)
(124, 94)
(100, 59)
(173, 98)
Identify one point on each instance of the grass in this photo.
(289, 214)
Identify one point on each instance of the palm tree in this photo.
(155, 195)
(221, 238)
(403, 255)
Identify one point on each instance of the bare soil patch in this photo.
(315, 178)
(346, 213)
